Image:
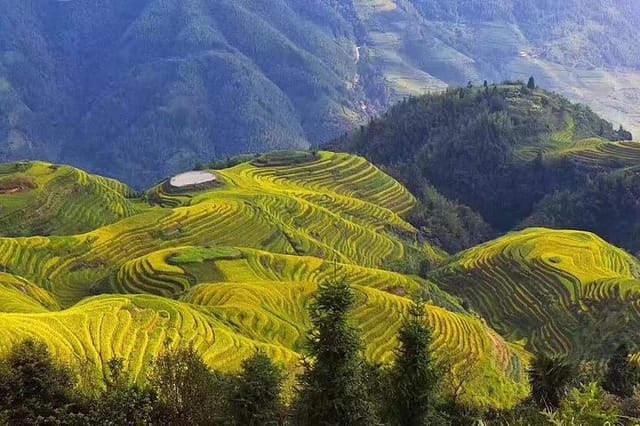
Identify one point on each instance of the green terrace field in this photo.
(46, 199)
(559, 292)
(233, 267)
(589, 151)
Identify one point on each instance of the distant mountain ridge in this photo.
(140, 89)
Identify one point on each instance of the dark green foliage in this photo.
(414, 377)
(531, 84)
(188, 391)
(587, 405)
(606, 204)
(625, 135)
(466, 145)
(621, 376)
(33, 388)
(122, 402)
(285, 158)
(447, 224)
(257, 397)
(549, 379)
(332, 389)
(92, 84)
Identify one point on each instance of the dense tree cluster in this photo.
(466, 145)
(606, 204)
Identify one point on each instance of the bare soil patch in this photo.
(17, 185)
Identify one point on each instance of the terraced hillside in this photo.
(46, 199)
(233, 267)
(598, 153)
(337, 207)
(172, 272)
(560, 292)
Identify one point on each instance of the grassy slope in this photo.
(231, 300)
(234, 267)
(566, 292)
(290, 210)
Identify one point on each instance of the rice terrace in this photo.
(319, 213)
(233, 267)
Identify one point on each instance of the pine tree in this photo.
(257, 398)
(531, 85)
(549, 378)
(414, 377)
(618, 380)
(33, 387)
(123, 402)
(332, 388)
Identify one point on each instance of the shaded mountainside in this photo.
(516, 157)
(141, 89)
(233, 268)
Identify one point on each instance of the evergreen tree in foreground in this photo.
(188, 391)
(332, 389)
(123, 402)
(531, 84)
(549, 378)
(257, 398)
(414, 377)
(619, 379)
(33, 388)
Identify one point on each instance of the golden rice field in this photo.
(560, 292)
(227, 321)
(590, 151)
(227, 268)
(621, 154)
(172, 272)
(234, 266)
(286, 210)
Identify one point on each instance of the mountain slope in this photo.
(46, 199)
(145, 88)
(347, 211)
(142, 89)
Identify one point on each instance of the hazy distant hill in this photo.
(138, 89)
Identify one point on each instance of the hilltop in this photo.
(142, 89)
(512, 157)
(563, 292)
(48, 199)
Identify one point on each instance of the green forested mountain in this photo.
(514, 156)
(141, 89)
